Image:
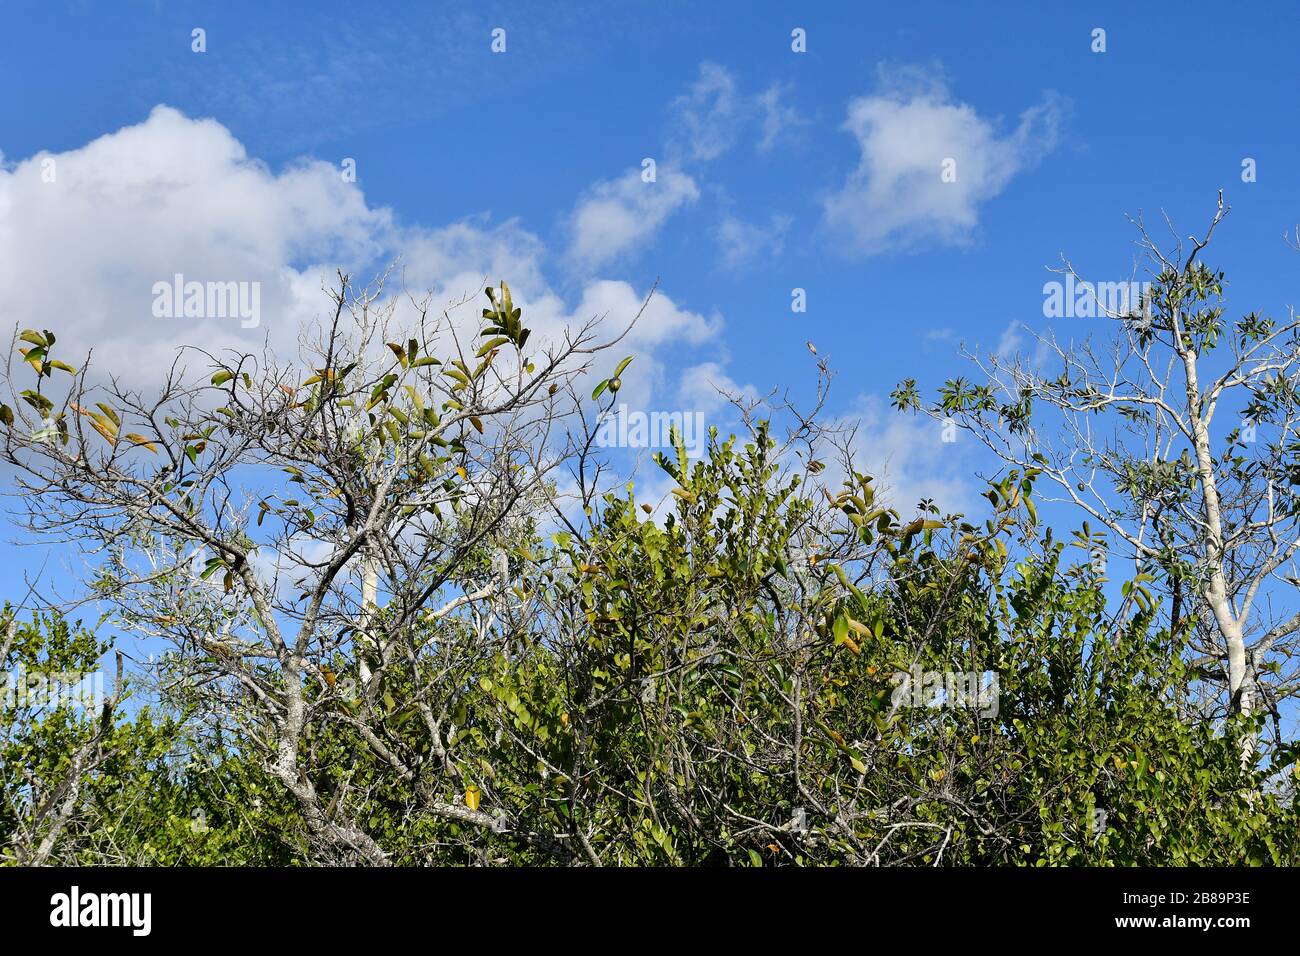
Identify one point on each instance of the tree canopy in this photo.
(402, 617)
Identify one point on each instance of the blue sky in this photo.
(776, 170)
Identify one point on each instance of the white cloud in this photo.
(896, 197)
(779, 120)
(1011, 341)
(1020, 343)
(741, 243)
(283, 569)
(179, 195)
(459, 256)
(170, 195)
(707, 388)
(662, 327)
(617, 215)
(708, 116)
(662, 323)
(907, 456)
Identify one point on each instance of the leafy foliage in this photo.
(765, 669)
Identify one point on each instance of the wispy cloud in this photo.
(780, 120)
(618, 217)
(741, 243)
(709, 119)
(706, 119)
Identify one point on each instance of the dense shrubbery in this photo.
(386, 635)
(718, 690)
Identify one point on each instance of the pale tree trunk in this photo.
(1241, 680)
(369, 599)
(288, 772)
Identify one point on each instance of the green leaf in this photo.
(491, 344)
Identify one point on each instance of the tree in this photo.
(252, 516)
(59, 733)
(1126, 429)
(391, 640)
(724, 688)
(83, 783)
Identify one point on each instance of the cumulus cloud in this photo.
(81, 255)
(908, 458)
(663, 328)
(708, 389)
(460, 255)
(897, 197)
(618, 215)
(81, 249)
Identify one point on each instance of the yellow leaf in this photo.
(142, 442)
(109, 436)
(472, 797)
